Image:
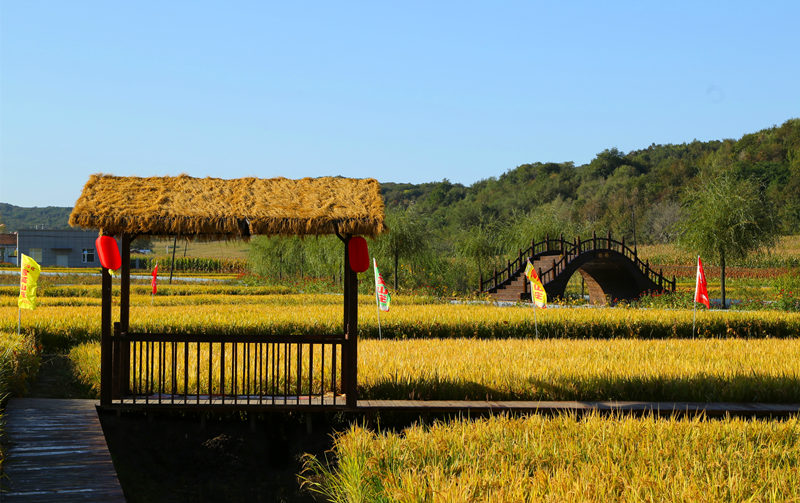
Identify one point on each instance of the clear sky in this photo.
(399, 91)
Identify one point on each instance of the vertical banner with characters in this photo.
(28, 281)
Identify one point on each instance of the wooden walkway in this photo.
(327, 404)
(56, 451)
(519, 407)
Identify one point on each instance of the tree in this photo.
(406, 238)
(727, 218)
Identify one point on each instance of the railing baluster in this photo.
(210, 371)
(310, 371)
(299, 371)
(247, 371)
(275, 357)
(333, 370)
(286, 351)
(173, 353)
(197, 368)
(222, 372)
(322, 376)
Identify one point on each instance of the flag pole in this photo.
(380, 337)
(377, 301)
(533, 301)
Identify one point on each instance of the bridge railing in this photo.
(505, 275)
(569, 251)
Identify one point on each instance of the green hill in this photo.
(50, 217)
(612, 189)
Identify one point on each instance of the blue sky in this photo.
(404, 91)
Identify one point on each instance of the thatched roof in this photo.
(213, 207)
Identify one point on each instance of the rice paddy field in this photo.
(439, 349)
(563, 458)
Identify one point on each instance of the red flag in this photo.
(155, 277)
(700, 287)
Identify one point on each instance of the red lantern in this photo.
(108, 252)
(359, 255)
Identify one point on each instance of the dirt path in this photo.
(57, 380)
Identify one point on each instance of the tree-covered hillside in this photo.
(616, 188)
(50, 217)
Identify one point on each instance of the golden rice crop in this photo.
(59, 327)
(537, 458)
(716, 370)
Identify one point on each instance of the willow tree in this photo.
(726, 218)
(406, 239)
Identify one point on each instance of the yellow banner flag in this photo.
(538, 294)
(28, 281)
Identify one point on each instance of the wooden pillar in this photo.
(350, 346)
(106, 344)
(125, 314)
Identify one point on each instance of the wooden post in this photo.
(172, 265)
(124, 315)
(106, 344)
(547, 242)
(594, 240)
(350, 346)
(495, 276)
(608, 236)
(345, 317)
(562, 243)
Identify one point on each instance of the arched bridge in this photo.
(610, 269)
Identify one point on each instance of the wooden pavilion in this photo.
(147, 370)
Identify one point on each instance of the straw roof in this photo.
(213, 207)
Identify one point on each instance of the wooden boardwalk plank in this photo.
(668, 408)
(56, 451)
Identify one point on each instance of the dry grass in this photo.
(214, 207)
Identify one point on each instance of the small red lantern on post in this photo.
(108, 252)
(358, 253)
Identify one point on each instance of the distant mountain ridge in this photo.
(50, 217)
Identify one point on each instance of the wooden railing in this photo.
(569, 251)
(219, 370)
